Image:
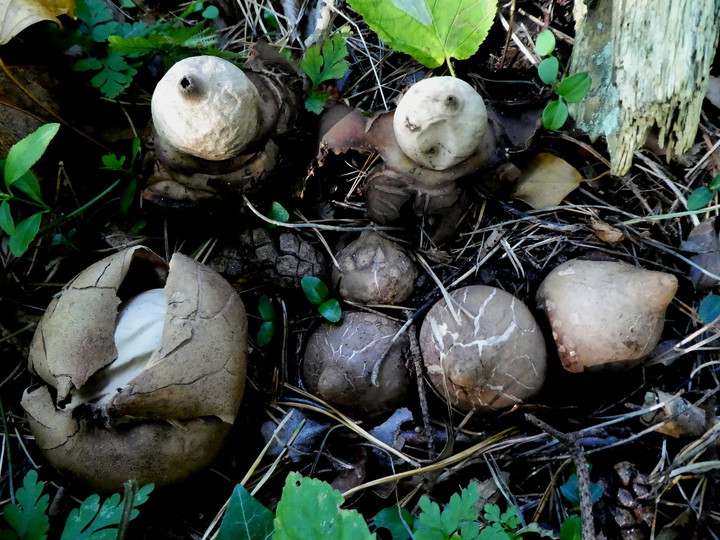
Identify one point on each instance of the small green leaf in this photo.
(548, 70)
(28, 517)
(571, 491)
(316, 100)
(396, 520)
(315, 290)
(571, 529)
(211, 12)
(245, 518)
(24, 233)
(277, 213)
(456, 28)
(7, 223)
(29, 185)
(265, 334)
(330, 309)
(709, 309)
(555, 114)
(575, 87)
(699, 198)
(112, 163)
(309, 509)
(545, 43)
(26, 152)
(715, 183)
(266, 308)
(329, 62)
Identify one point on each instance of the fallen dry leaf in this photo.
(17, 15)
(546, 181)
(606, 232)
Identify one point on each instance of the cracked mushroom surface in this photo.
(144, 368)
(374, 270)
(487, 353)
(355, 365)
(605, 315)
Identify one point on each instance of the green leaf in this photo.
(211, 12)
(7, 223)
(715, 183)
(494, 532)
(461, 507)
(545, 43)
(396, 520)
(315, 290)
(571, 529)
(112, 163)
(329, 62)
(28, 184)
(265, 334)
(555, 114)
(331, 310)
(245, 518)
(309, 509)
(94, 522)
(456, 28)
(709, 309)
(28, 517)
(87, 64)
(699, 198)
(430, 517)
(575, 87)
(277, 213)
(266, 308)
(491, 513)
(548, 70)
(24, 233)
(571, 491)
(316, 100)
(115, 76)
(26, 152)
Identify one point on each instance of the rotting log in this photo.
(649, 61)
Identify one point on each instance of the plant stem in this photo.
(74, 213)
(450, 66)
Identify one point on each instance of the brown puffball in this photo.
(374, 270)
(149, 399)
(355, 365)
(605, 314)
(490, 357)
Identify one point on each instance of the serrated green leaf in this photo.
(548, 70)
(24, 233)
(461, 507)
(7, 223)
(699, 198)
(28, 517)
(309, 509)
(115, 76)
(714, 184)
(545, 43)
(245, 518)
(555, 114)
(265, 334)
(510, 518)
(491, 513)
(331, 310)
(494, 532)
(266, 308)
(571, 529)
(575, 87)
(328, 62)
(470, 530)
(709, 309)
(457, 28)
(316, 100)
(430, 517)
(26, 152)
(396, 520)
(315, 290)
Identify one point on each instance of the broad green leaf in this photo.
(555, 114)
(715, 183)
(575, 87)
(396, 520)
(266, 308)
(26, 152)
(309, 509)
(699, 198)
(571, 529)
(24, 233)
(709, 309)
(331, 310)
(245, 518)
(315, 290)
(265, 333)
(7, 223)
(278, 213)
(456, 30)
(545, 43)
(417, 9)
(29, 185)
(546, 180)
(548, 70)
(28, 517)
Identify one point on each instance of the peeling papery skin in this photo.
(185, 391)
(605, 315)
(355, 365)
(374, 270)
(487, 353)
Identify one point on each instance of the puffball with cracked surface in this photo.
(440, 122)
(374, 270)
(144, 368)
(605, 314)
(487, 353)
(355, 365)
